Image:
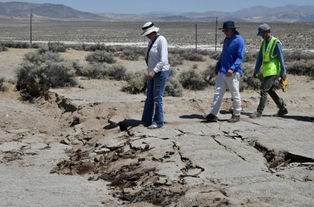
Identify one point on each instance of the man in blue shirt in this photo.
(270, 59)
(229, 71)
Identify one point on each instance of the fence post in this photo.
(196, 37)
(216, 34)
(31, 28)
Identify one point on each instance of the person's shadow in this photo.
(295, 117)
(192, 116)
(124, 125)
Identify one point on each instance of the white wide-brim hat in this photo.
(148, 28)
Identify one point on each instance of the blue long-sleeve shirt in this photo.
(278, 51)
(232, 55)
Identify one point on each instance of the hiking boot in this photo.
(255, 115)
(282, 112)
(211, 118)
(234, 118)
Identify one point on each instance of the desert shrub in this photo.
(129, 54)
(94, 70)
(188, 54)
(192, 55)
(36, 45)
(138, 50)
(209, 74)
(173, 72)
(136, 83)
(15, 44)
(203, 52)
(175, 60)
(2, 87)
(248, 82)
(116, 72)
(42, 56)
(95, 47)
(214, 55)
(3, 48)
(301, 67)
(250, 56)
(192, 80)
(56, 47)
(177, 51)
(36, 77)
(100, 56)
(173, 88)
(291, 55)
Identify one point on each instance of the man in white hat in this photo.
(158, 70)
(271, 62)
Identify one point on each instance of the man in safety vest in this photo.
(271, 62)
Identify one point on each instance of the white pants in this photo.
(222, 82)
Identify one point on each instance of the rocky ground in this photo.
(84, 146)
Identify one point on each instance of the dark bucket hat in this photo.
(228, 25)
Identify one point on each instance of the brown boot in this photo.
(234, 118)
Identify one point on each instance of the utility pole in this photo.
(31, 28)
(196, 37)
(216, 33)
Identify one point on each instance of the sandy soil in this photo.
(91, 150)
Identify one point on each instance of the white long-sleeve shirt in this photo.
(158, 55)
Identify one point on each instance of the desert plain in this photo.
(84, 145)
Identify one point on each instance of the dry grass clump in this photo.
(100, 56)
(41, 71)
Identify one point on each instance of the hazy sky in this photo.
(143, 6)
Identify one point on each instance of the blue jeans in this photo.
(155, 91)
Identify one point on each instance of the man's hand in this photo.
(229, 73)
(254, 75)
(150, 75)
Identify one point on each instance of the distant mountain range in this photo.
(289, 13)
(21, 9)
